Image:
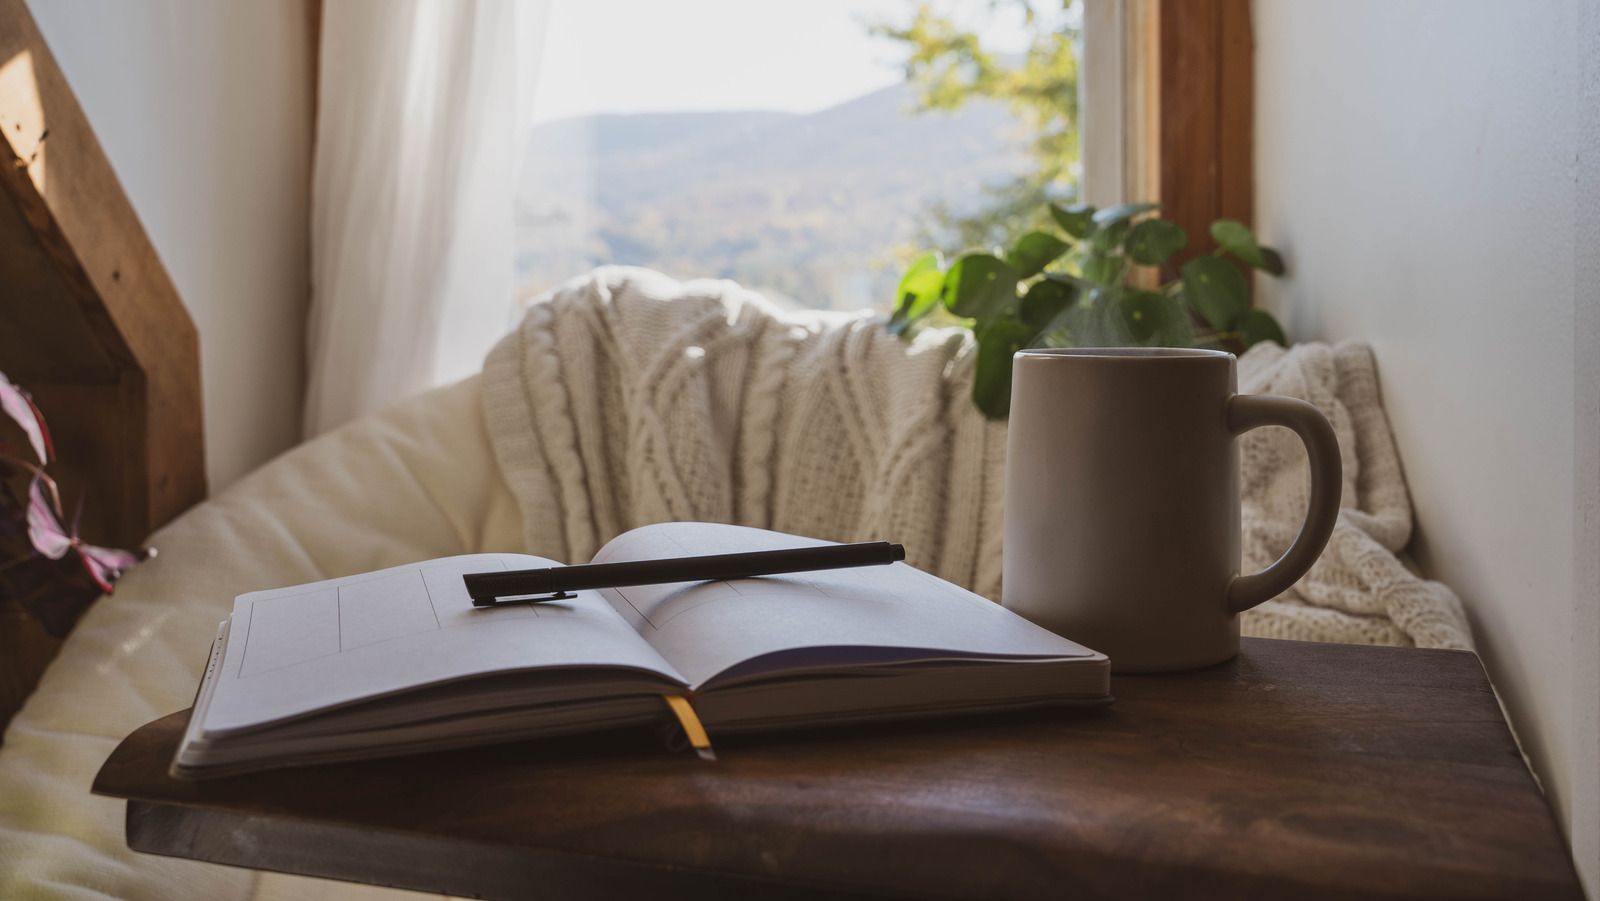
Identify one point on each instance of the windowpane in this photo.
(775, 144)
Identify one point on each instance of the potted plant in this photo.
(1082, 289)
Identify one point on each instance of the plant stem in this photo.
(18, 461)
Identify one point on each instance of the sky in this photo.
(799, 56)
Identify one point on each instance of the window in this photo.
(776, 144)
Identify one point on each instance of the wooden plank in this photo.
(1296, 770)
(107, 276)
(1205, 68)
(429, 864)
(1235, 112)
(1189, 124)
(89, 322)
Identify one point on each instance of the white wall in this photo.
(1420, 165)
(205, 110)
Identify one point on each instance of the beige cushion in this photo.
(414, 482)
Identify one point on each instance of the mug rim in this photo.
(1128, 353)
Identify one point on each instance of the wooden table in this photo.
(1297, 770)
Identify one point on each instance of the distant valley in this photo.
(810, 209)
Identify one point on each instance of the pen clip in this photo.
(523, 599)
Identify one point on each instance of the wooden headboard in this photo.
(90, 323)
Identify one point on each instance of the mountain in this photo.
(807, 208)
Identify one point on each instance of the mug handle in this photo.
(1246, 412)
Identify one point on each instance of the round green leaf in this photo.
(1143, 314)
(1110, 236)
(1216, 288)
(1101, 269)
(929, 260)
(917, 293)
(1034, 251)
(1122, 211)
(1153, 241)
(1180, 326)
(1256, 326)
(991, 380)
(980, 286)
(1271, 262)
(1090, 323)
(1075, 220)
(1152, 319)
(1046, 300)
(1237, 239)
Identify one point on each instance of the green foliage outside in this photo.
(1071, 289)
(949, 66)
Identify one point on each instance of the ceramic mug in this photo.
(1122, 501)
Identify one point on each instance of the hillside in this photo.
(808, 207)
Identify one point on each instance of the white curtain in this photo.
(423, 115)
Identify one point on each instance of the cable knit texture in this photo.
(1358, 592)
(628, 398)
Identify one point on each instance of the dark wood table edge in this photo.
(263, 841)
(407, 861)
(477, 869)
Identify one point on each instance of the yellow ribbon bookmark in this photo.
(691, 726)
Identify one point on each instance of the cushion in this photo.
(413, 482)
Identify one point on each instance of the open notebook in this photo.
(399, 661)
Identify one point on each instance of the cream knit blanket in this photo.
(627, 398)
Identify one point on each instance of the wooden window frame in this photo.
(1169, 111)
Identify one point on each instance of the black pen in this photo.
(557, 581)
